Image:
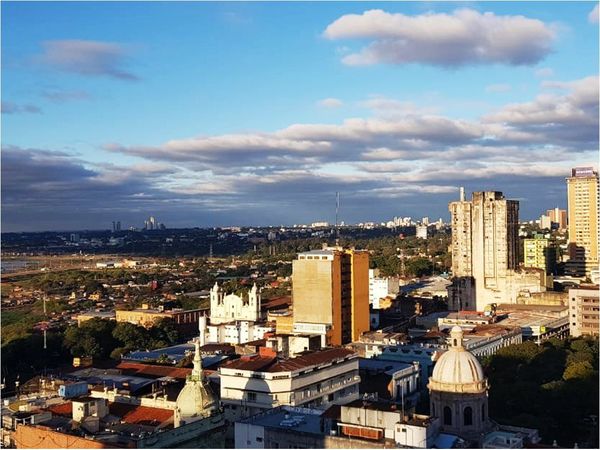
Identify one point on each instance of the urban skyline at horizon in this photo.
(265, 127)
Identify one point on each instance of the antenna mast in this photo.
(337, 210)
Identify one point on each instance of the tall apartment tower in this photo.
(582, 193)
(484, 249)
(330, 290)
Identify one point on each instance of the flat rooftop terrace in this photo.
(302, 420)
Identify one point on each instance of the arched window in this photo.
(447, 415)
(483, 412)
(468, 416)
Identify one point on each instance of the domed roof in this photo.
(457, 370)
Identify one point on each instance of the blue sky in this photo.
(209, 114)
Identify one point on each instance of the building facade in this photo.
(539, 252)
(582, 194)
(230, 307)
(331, 294)
(484, 249)
(381, 287)
(584, 311)
(318, 379)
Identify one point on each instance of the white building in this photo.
(381, 287)
(318, 379)
(227, 308)
(422, 231)
(237, 332)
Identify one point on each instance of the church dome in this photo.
(457, 370)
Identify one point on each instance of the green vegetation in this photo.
(552, 387)
(101, 338)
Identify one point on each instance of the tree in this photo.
(131, 336)
(164, 331)
(419, 267)
(93, 338)
(581, 370)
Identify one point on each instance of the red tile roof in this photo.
(267, 364)
(141, 415)
(139, 369)
(64, 409)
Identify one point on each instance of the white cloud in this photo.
(464, 37)
(594, 14)
(330, 103)
(501, 87)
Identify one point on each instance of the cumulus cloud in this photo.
(88, 58)
(594, 15)
(291, 174)
(464, 37)
(330, 103)
(14, 108)
(556, 117)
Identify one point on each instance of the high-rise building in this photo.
(541, 253)
(558, 216)
(484, 249)
(331, 294)
(582, 192)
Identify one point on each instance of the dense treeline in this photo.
(100, 338)
(552, 387)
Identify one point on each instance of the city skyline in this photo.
(227, 114)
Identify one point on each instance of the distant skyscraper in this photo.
(484, 249)
(582, 192)
(331, 294)
(558, 216)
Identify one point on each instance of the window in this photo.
(447, 415)
(259, 439)
(483, 412)
(468, 416)
(252, 396)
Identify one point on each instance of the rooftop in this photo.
(308, 359)
(303, 420)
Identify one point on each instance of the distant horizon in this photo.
(204, 114)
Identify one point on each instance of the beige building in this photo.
(582, 192)
(484, 249)
(186, 321)
(253, 384)
(584, 311)
(331, 294)
(558, 216)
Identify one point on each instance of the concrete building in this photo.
(540, 252)
(87, 315)
(559, 217)
(381, 287)
(422, 231)
(485, 253)
(226, 308)
(582, 193)
(318, 379)
(237, 332)
(330, 289)
(186, 321)
(584, 311)
(484, 248)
